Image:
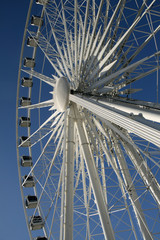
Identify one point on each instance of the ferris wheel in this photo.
(88, 120)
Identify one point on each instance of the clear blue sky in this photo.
(12, 22)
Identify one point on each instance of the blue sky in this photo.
(12, 22)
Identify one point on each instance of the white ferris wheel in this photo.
(88, 132)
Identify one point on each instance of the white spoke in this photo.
(69, 174)
(108, 79)
(83, 34)
(44, 124)
(40, 76)
(39, 105)
(94, 28)
(104, 216)
(140, 129)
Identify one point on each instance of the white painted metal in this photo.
(108, 79)
(94, 29)
(76, 40)
(140, 129)
(144, 171)
(67, 38)
(83, 34)
(152, 115)
(40, 76)
(69, 177)
(61, 96)
(131, 190)
(39, 105)
(94, 178)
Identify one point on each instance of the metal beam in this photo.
(94, 178)
(144, 171)
(141, 129)
(69, 177)
(131, 190)
(152, 115)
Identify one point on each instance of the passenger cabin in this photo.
(29, 62)
(36, 21)
(26, 161)
(31, 42)
(24, 122)
(31, 201)
(26, 82)
(36, 223)
(41, 2)
(28, 181)
(24, 141)
(25, 101)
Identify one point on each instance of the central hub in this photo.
(61, 94)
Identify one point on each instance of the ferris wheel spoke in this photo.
(139, 168)
(47, 129)
(107, 80)
(38, 105)
(126, 82)
(55, 206)
(94, 29)
(49, 170)
(60, 66)
(41, 76)
(93, 11)
(150, 23)
(117, 24)
(59, 49)
(77, 152)
(140, 129)
(111, 161)
(101, 69)
(84, 184)
(45, 124)
(67, 38)
(59, 132)
(140, 13)
(35, 139)
(131, 189)
(75, 39)
(48, 51)
(84, 35)
(93, 57)
(78, 177)
(108, 27)
(123, 57)
(42, 153)
(90, 135)
(87, 40)
(71, 39)
(119, 42)
(139, 49)
(97, 190)
(134, 109)
(106, 14)
(144, 171)
(69, 163)
(123, 188)
(58, 121)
